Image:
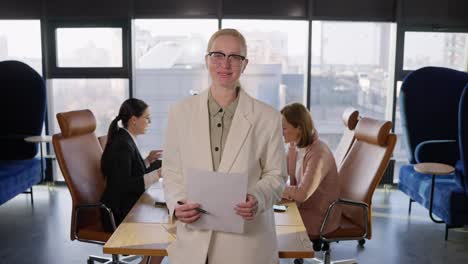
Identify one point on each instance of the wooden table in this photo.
(40, 140)
(146, 231)
(434, 169)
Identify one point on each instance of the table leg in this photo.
(431, 200)
(42, 162)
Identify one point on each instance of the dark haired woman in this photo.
(126, 172)
(314, 182)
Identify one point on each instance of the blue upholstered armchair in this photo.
(434, 113)
(22, 108)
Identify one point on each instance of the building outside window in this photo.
(352, 66)
(277, 53)
(21, 40)
(169, 65)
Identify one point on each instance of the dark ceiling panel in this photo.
(458, 12)
(287, 9)
(20, 9)
(444, 13)
(432, 13)
(362, 10)
(88, 8)
(176, 8)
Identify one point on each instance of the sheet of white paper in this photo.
(218, 193)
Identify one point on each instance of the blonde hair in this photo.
(228, 32)
(299, 117)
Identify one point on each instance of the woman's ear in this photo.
(132, 120)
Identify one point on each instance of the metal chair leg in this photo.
(446, 231)
(409, 207)
(327, 257)
(431, 201)
(94, 259)
(32, 198)
(115, 259)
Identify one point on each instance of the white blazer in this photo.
(254, 145)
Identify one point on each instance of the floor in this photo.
(39, 233)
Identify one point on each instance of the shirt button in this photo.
(219, 124)
(216, 148)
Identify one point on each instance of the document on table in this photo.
(217, 193)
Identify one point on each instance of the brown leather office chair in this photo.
(360, 173)
(79, 156)
(350, 119)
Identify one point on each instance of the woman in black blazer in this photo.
(126, 172)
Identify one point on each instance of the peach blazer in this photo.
(317, 186)
(254, 145)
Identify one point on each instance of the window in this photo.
(169, 65)
(89, 47)
(352, 66)
(277, 53)
(102, 96)
(399, 154)
(441, 49)
(21, 40)
(88, 69)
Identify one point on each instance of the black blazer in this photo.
(124, 168)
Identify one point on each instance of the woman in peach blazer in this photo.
(314, 182)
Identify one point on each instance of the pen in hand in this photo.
(198, 209)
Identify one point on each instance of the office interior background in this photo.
(327, 54)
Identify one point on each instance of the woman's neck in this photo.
(224, 96)
(132, 131)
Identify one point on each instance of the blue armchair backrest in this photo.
(22, 106)
(463, 138)
(429, 99)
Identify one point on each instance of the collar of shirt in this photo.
(147, 164)
(214, 108)
(132, 136)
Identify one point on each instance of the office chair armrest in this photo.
(78, 208)
(345, 202)
(442, 151)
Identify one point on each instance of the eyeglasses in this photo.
(218, 58)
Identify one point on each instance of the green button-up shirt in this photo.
(220, 123)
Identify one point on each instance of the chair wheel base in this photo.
(320, 245)
(298, 261)
(362, 242)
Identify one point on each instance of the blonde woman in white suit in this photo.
(224, 129)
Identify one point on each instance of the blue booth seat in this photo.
(434, 110)
(17, 176)
(23, 111)
(461, 168)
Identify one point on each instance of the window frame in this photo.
(56, 72)
(400, 72)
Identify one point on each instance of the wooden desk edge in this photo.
(138, 252)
